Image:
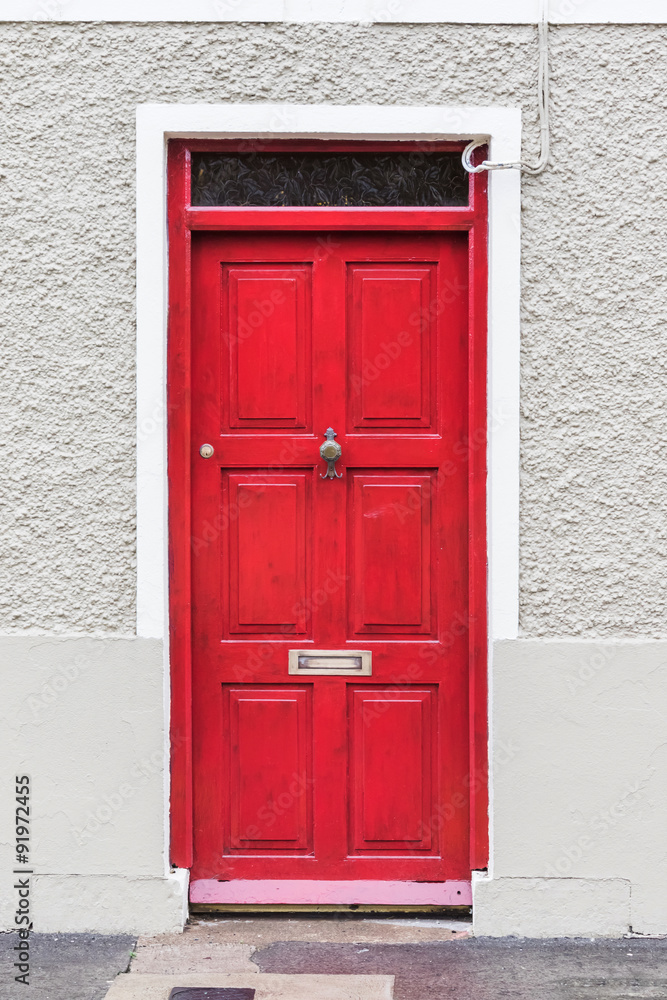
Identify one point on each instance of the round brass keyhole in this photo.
(206, 451)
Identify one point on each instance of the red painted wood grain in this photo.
(286, 340)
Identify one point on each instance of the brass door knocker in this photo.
(330, 452)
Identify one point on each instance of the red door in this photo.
(330, 612)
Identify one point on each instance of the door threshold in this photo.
(455, 912)
(313, 892)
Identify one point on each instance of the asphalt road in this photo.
(491, 969)
(64, 966)
(81, 966)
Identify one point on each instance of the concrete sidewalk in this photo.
(267, 986)
(429, 960)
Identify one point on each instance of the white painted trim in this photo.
(152, 609)
(307, 11)
(156, 123)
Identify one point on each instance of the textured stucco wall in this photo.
(594, 284)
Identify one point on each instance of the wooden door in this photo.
(349, 776)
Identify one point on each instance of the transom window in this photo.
(352, 179)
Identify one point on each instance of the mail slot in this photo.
(357, 662)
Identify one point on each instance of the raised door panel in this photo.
(392, 744)
(391, 332)
(266, 340)
(269, 802)
(392, 554)
(269, 562)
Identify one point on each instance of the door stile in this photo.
(179, 461)
(329, 494)
(478, 562)
(329, 498)
(453, 497)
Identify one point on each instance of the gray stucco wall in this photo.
(594, 292)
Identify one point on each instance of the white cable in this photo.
(543, 103)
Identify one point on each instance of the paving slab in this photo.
(227, 942)
(180, 953)
(491, 968)
(65, 966)
(268, 987)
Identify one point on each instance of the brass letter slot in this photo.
(331, 661)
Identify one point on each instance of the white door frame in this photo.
(156, 124)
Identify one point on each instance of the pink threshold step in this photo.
(301, 891)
